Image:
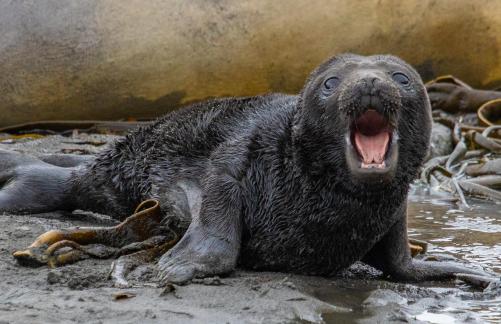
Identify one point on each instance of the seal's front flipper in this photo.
(143, 224)
(212, 242)
(392, 256)
(483, 282)
(28, 184)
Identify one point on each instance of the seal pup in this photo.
(306, 183)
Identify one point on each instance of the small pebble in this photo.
(123, 295)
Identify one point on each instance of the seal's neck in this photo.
(316, 153)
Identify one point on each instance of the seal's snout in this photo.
(370, 102)
(371, 91)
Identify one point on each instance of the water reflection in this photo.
(468, 233)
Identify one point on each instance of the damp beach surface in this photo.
(82, 293)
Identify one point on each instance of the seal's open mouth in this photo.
(371, 135)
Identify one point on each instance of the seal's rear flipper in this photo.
(30, 185)
(66, 160)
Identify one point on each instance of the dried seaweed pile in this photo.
(473, 167)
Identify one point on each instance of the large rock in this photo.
(112, 59)
(441, 141)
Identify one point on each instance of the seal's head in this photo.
(371, 115)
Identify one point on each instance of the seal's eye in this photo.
(331, 83)
(401, 78)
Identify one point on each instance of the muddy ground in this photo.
(82, 292)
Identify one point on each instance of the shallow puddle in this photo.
(472, 234)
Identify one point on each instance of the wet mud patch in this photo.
(83, 275)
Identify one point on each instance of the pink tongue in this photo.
(372, 148)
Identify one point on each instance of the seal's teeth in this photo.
(381, 165)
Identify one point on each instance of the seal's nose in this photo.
(370, 82)
(369, 88)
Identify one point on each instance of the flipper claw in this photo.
(127, 262)
(478, 281)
